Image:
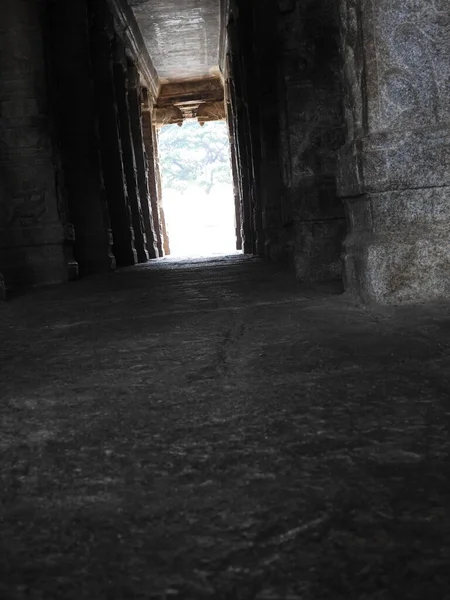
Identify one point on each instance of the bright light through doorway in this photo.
(197, 193)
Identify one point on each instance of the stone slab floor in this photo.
(211, 430)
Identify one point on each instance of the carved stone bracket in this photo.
(202, 99)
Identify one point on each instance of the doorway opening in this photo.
(197, 189)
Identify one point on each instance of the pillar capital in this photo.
(134, 78)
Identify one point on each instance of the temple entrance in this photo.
(197, 188)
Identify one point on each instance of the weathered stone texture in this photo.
(34, 235)
(128, 156)
(102, 35)
(149, 134)
(314, 131)
(134, 107)
(394, 170)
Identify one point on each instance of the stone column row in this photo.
(102, 38)
(73, 175)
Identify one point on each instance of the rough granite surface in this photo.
(210, 429)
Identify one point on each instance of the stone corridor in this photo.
(212, 429)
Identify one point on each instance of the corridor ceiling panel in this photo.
(182, 36)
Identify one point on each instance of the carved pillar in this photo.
(134, 102)
(148, 136)
(102, 34)
(128, 158)
(34, 233)
(250, 96)
(235, 173)
(395, 169)
(241, 136)
(164, 232)
(74, 104)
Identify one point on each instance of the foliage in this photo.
(192, 154)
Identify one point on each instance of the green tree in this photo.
(192, 154)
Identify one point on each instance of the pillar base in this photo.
(125, 254)
(318, 249)
(35, 265)
(37, 255)
(94, 254)
(398, 249)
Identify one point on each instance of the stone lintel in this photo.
(201, 90)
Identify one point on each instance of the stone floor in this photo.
(210, 430)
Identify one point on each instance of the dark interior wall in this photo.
(288, 55)
(72, 89)
(35, 234)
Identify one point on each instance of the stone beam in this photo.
(203, 90)
(223, 37)
(128, 28)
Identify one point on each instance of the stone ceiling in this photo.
(182, 36)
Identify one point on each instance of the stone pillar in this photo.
(164, 232)
(245, 38)
(134, 102)
(311, 131)
(241, 138)
(149, 133)
(237, 199)
(394, 170)
(234, 169)
(129, 162)
(78, 134)
(34, 245)
(276, 214)
(102, 35)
